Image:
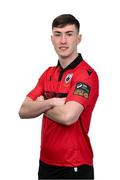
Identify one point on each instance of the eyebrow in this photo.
(61, 32)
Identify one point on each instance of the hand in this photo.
(40, 98)
(58, 101)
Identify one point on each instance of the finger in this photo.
(40, 98)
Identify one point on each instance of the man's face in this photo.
(65, 40)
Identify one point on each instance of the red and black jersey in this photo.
(68, 145)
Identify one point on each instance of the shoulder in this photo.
(85, 78)
(87, 75)
(85, 71)
(49, 70)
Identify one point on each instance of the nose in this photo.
(63, 39)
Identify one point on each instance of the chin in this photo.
(67, 55)
(64, 54)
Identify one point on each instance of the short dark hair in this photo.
(65, 19)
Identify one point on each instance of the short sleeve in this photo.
(84, 90)
(38, 89)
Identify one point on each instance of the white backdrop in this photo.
(26, 51)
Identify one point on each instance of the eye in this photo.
(57, 34)
(69, 34)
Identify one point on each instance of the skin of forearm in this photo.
(66, 114)
(32, 109)
(59, 114)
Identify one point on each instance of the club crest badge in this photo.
(68, 78)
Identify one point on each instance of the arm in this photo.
(32, 109)
(66, 114)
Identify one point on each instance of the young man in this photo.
(66, 95)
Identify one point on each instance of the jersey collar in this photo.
(73, 64)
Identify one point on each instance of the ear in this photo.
(79, 38)
(52, 39)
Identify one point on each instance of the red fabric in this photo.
(67, 145)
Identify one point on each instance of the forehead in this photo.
(64, 29)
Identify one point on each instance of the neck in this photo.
(65, 61)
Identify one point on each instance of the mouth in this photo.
(63, 48)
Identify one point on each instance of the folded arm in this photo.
(65, 114)
(55, 109)
(32, 109)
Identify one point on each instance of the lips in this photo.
(63, 48)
